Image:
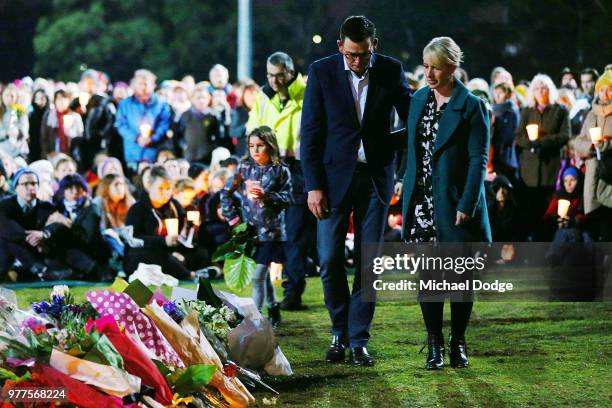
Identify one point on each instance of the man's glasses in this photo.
(29, 184)
(352, 56)
(280, 76)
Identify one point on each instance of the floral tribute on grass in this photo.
(111, 351)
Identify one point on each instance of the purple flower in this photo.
(173, 311)
(53, 309)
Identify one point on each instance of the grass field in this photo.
(522, 355)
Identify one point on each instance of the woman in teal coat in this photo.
(443, 188)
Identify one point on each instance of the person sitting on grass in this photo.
(148, 216)
(86, 250)
(27, 227)
(113, 202)
(263, 185)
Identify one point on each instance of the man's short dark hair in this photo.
(3, 171)
(357, 29)
(280, 58)
(590, 71)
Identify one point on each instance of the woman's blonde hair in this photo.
(553, 93)
(444, 50)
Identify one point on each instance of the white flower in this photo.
(208, 310)
(60, 291)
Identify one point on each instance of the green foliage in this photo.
(186, 381)
(241, 242)
(238, 267)
(238, 272)
(168, 37)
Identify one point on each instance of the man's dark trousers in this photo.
(301, 236)
(350, 315)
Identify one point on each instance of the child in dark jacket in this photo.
(263, 185)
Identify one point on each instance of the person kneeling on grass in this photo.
(148, 218)
(263, 185)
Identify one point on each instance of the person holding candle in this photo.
(541, 146)
(60, 126)
(566, 207)
(142, 120)
(263, 184)
(148, 217)
(598, 191)
(14, 124)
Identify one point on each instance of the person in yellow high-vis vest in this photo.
(279, 106)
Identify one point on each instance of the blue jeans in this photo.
(350, 315)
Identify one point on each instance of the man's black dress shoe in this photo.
(292, 305)
(361, 357)
(335, 353)
(457, 352)
(435, 352)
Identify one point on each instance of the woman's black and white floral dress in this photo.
(422, 227)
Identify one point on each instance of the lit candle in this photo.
(596, 135)
(68, 120)
(532, 132)
(145, 130)
(563, 208)
(194, 216)
(596, 138)
(83, 99)
(172, 225)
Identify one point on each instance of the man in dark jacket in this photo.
(26, 229)
(348, 159)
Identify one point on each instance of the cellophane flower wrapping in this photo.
(193, 348)
(135, 360)
(111, 380)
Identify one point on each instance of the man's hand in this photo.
(317, 203)
(461, 218)
(34, 238)
(58, 218)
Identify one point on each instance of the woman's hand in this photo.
(461, 218)
(180, 257)
(171, 241)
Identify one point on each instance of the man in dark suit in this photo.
(26, 228)
(347, 153)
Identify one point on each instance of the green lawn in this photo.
(522, 355)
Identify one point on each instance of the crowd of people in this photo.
(91, 172)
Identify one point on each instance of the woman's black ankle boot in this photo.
(457, 352)
(435, 352)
